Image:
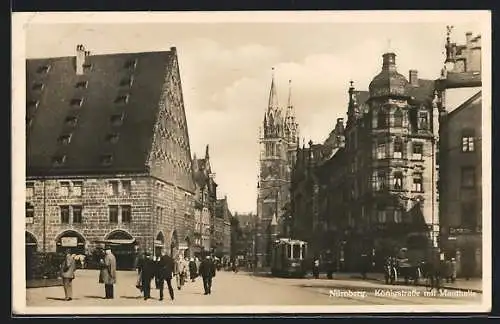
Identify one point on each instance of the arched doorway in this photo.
(159, 244)
(174, 244)
(31, 245)
(71, 240)
(123, 246)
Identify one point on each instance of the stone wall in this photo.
(95, 200)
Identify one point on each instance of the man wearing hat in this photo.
(148, 272)
(107, 274)
(207, 272)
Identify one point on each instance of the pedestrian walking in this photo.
(181, 271)
(68, 267)
(316, 268)
(148, 271)
(193, 271)
(207, 272)
(165, 270)
(107, 274)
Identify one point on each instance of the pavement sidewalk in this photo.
(474, 284)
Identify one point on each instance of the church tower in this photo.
(278, 147)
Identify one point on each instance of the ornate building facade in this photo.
(460, 180)
(278, 141)
(375, 191)
(107, 154)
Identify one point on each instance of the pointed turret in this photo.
(289, 111)
(273, 95)
(207, 156)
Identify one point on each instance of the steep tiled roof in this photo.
(424, 91)
(116, 85)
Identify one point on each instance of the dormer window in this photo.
(65, 139)
(106, 159)
(131, 64)
(112, 138)
(38, 86)
(29, 121)
(59, 160)
(121, 100)
(127, 82)
(43, 69)
(87, 67)
(70, 121)
(116, 120)
(32, 104)
(82, 84)
(76, 103)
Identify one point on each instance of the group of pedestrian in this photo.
(164, 268)
(107, 272)
(160, 269)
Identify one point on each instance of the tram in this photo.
(288, 258)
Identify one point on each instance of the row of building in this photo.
(108, 160)
(404, 170)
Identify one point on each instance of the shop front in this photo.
(124, 247)
(72, 241)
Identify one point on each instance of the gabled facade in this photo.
(107, 154)
(205, 203)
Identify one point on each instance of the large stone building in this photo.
(108, 156)
(205, 203)
(382, 195)
(460, 181)
(278, 140)
(310, 189)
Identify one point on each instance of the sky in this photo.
(226, 74)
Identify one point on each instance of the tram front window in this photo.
(303, 255)
(296, 251)
(289, 251)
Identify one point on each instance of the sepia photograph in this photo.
(264, 162)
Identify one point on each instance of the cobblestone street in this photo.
(243, 288)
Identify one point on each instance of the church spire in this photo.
(273, 95)
(206, 153)
(290, 111)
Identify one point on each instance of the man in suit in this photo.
(207, 272)
(107, 275)
(148, 272)
(165, 269)
(68, 268)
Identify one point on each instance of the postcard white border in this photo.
(20, 20)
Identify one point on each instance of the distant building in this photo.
(107, 154)
(460, 181)
(205, 204)
(310, 189)
(223, 217)
(243, 236)
(278, 141)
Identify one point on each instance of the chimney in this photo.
(414, 78)
(80, 58)
(468, 38)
